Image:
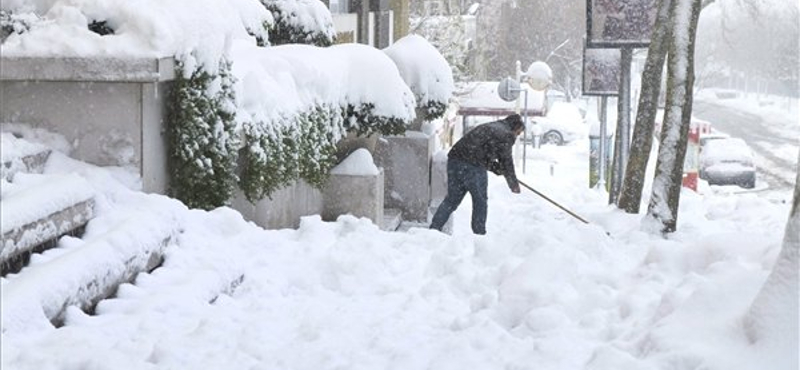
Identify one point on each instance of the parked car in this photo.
(705, 138)
(728, 161)
(563, 123)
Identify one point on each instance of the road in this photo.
(775, 145)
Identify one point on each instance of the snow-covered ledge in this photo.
(84, 275)
(38, 209)
(94, 69)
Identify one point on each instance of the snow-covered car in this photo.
(563, 123)
(704, 138)
(728, 161)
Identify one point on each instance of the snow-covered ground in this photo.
(539, 291)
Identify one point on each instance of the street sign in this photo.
(508, 89)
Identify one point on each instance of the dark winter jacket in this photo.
(489, 146)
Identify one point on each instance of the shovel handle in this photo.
(553, 202)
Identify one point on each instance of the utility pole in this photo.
(622, 138)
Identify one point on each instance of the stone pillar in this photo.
(438, 177)
(381, 28)
(406, 160)
(357, 195)
(401, 14)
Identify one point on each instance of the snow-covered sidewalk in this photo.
(540, 291)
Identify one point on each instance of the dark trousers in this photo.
(463, 177)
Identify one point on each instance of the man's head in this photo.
(516, 124)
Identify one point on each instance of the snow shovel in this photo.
(553, 202)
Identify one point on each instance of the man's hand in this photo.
(495, 167)
(515, 189)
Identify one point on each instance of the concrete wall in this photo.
(112, 111)
(285, 208)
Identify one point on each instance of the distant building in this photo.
(373, 22)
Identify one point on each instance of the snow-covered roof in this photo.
(482, 96)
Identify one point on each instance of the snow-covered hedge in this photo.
(299, 101)
(284, 108)
(278, 154)
(426, 72)
(203, 144)
(300, 22)
(11, 23)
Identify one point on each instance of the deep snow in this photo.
(540, 291)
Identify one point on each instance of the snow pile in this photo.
(12, 148)
(423, 69)
(358, 163)
(540, 288)
(285, 80)
(145, 29)
(33, 197)
(14, 153)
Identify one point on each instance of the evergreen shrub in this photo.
(287, 30)
(203, 144)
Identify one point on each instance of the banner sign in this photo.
(620, 23)
(601, 71)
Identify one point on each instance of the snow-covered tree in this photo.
(749, 40)
(772, 321)
(550, 31)
(642, 140)
(662, 212)
(448, 33)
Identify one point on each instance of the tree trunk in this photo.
(642, 142)
(772, 320)
(662, 212)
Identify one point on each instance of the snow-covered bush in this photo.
(321, 129)
(15, 23)
(275, 155)
(363, 120)
(300, 22)
(426, 72)
(450, 35)
(299, 101)
(287, 105)
(203, 144)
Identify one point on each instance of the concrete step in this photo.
(85, 274)
(408, 224)
(19, 155)
(37, 210)
(392, 218)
